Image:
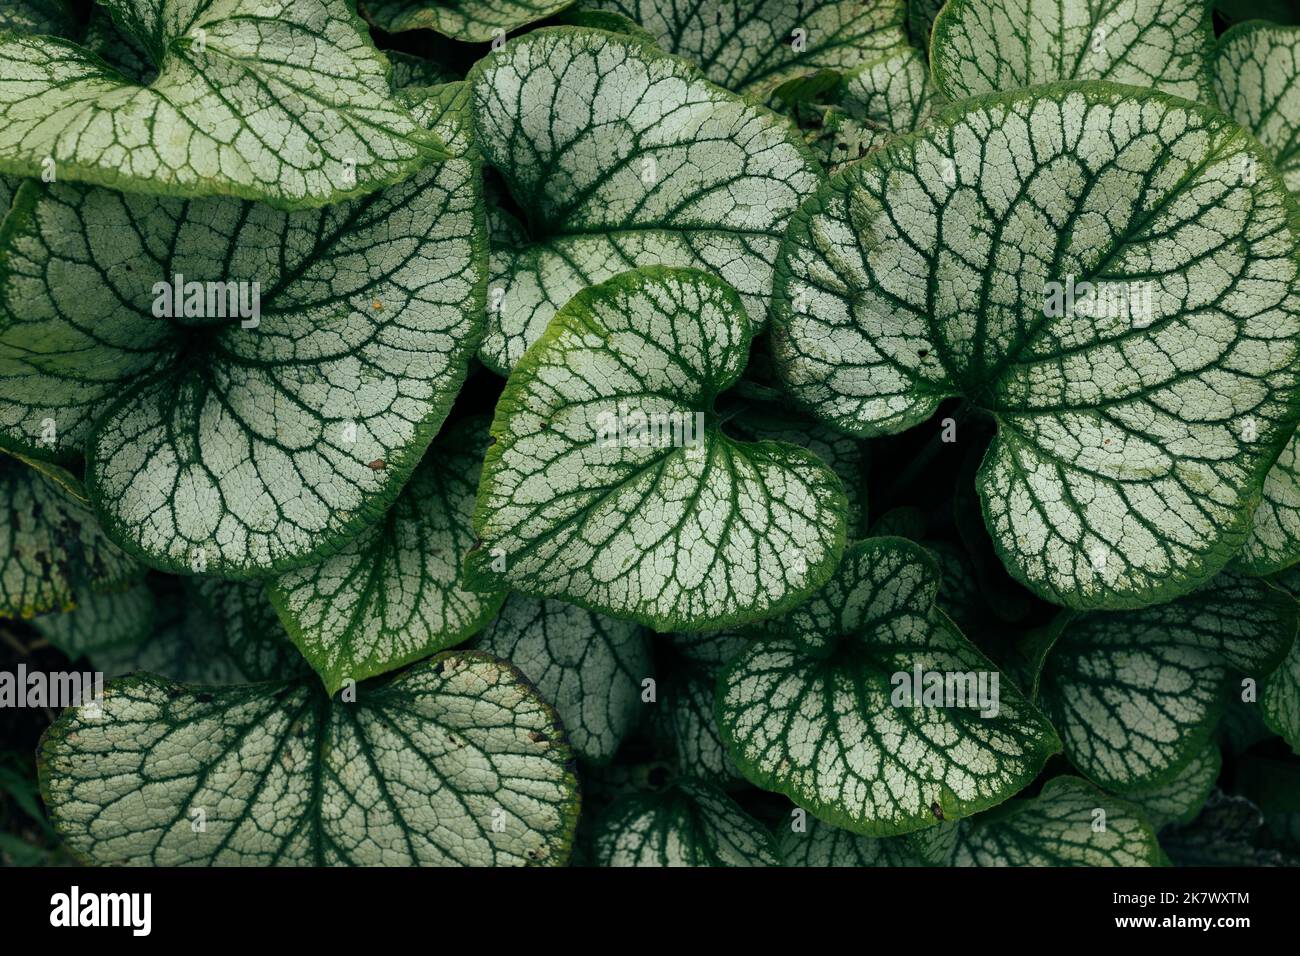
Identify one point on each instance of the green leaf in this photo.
(838, 711)
(52, 17)
(393, 594)
(892, 92)
(878, 100)
(51, 547)
(220, 448)
(1068, 824)
(1274, 540)
(286, 101)
(683, 715)
(609, 485)
(417, 71)
(612, 171)
(822, 845)
(986, 46)
(1182, 797)
(606, 20)
(1228, 832)
(752, 46)
(455, 761)
(1242, 726)
(1280, 699)
(845, 455)
(250, 632)
(687, 824)
(100, 622)
(206, 631)
(473, 21)
(590, 667)
(920, 21)
(1257, 80)
(1137, 695)
(1131, 444)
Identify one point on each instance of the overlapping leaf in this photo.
(205, 631)
(469, 20)
(682, 717)
(590, 667)
(1181, 798)
(836, 712)
(392, 595)
(752, 46)
(821, 845)
(877, 101)
(241, 443)
(1137, 414)
(455, 761)
(1257, 82)
(619, 155)
(1137, 695)
(52, 549)
(1280, 694)
(285, 101)
(985, 46)
(51, 17)
(1069, 823)
(100, 622)
(686, 824)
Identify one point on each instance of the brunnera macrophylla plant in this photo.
(731, 433)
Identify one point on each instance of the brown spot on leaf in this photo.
(536, 737)
(377, 306)
(377, 465)
(936, 810)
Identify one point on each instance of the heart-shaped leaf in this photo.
(393, 594)
(1090, 267)
(752, 46)
(1136, 695)
(263, 432)
(620, 155)
(590, 667)
(455, 761)
(608, 484)
(473, 21)
(52, 548)
(872, 711)
(985, 46)
(1069, 823)
(285, 101)
(687, 824)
